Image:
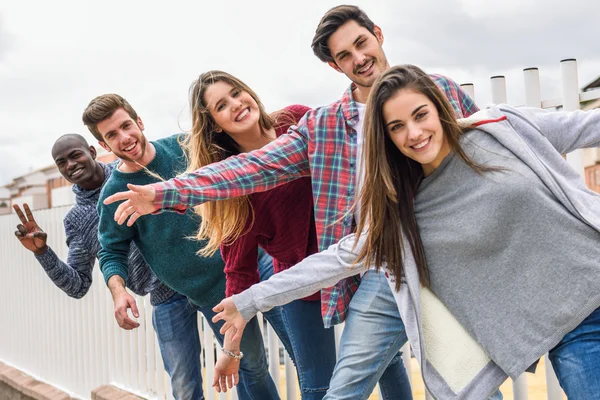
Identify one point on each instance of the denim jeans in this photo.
(576, 360)
(275, 315)
(313, 346)
(176, 327)
(370, 346)
(255, 381)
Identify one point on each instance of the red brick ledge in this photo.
(108, 392)
(29, 386)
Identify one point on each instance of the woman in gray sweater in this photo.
(491, 219)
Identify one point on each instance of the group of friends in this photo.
(395, 208)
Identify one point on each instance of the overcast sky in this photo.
(55, 56)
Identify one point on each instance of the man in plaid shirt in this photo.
(326, 145)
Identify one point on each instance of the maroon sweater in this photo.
(284, 226)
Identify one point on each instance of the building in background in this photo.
(42, 188)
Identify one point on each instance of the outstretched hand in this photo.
(31, 236)
(228, 312)
(139, 200)
(226, 373)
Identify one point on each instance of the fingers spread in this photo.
(19, 213)
(218, 308)
(216, 318)
(28, 212)
(133, 218)
(117, 197)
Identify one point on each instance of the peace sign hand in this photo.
(31, 236)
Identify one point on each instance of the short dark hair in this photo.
(103, 107)
(331, 21)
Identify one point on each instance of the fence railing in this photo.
(77, 346)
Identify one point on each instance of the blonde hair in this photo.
(223, 221)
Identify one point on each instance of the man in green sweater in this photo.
(165, 241)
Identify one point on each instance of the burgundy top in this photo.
(284, 226)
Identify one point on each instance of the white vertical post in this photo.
(520, 388)
(555, 392)
(406, 356)
(273, 344)
(469, 89)
(209, 359)
(338, 330)
(498, 89)
(533, 97)
(291, 378)
(570, 97)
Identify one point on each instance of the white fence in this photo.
(76, 345)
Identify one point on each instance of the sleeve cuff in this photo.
(109, 270)
(167, 197)
(48, 259)
(245, 304)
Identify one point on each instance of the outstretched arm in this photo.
(280, 161)
(73, 277)
(565, 130)
(315, 272)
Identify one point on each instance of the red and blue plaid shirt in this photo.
(322, 146)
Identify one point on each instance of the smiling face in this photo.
(75, 160)
(413, 124)
(123, 136)
(233, 110)
(358, 53)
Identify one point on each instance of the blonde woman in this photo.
(228, 119)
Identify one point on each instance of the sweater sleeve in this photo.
(566, 131)
(115, 241)
(241, 264)
(279, 162)
(75, 276)
(315, 272)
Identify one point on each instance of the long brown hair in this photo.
(387, 209)
(223, 221)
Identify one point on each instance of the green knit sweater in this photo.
(165, 240)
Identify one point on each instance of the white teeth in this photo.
(422, 144)
(366, 67)
(77, 172)
(129, 148)
(242, 115)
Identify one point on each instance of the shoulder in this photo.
(171, 141)
(115, 183)
(79, 219)
(297, 110)
(442, 80)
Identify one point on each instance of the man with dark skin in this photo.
(76, 161)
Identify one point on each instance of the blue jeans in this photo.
(370, 346)
(576, 360)
(313, 346)
(274, 315)
(255, 381)
(176, 325)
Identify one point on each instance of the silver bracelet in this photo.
(232, 354)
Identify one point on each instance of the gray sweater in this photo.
(81, 228)
(537, 139)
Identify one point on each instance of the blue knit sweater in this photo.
(81, 228)
(165, 240)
